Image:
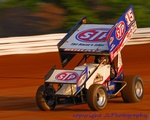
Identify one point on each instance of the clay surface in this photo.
(21, 75)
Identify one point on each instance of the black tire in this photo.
(134, 90)
(45, 98)
(96, 97)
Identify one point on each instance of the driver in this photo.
(105, 60)
(101, 58)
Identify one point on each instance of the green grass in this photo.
(98, 11)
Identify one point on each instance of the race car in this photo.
(99, 74)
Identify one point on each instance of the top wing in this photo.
(97, 39)
(84, 38)
(121, 32)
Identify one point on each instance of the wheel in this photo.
(134, 90)
(96, 97)
(45, 98)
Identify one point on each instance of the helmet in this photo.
(100, 58)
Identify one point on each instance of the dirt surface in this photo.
(21, 75)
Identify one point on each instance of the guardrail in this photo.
(48, 42)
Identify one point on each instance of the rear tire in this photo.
(134, 90)
(97, 97)
(45, 98)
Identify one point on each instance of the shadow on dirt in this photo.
(29, 104)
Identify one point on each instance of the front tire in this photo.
(134, 90)
(45, 98)
(97, 97)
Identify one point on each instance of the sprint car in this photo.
(90, 81)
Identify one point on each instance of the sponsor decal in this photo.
(82, 50)
(111, 40)
(120, 30)
(92, 35)
(81, 80)
(111, 87)
(98, 78)
(112, 47)
(86, 44)
(66, 76)
(131, 30)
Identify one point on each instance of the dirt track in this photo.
(21, 75)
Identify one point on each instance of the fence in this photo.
(48, 42)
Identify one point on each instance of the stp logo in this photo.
(92, 35)
(65, 76)
(120, 30)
